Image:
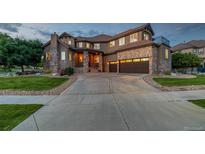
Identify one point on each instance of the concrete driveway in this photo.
(117, 102)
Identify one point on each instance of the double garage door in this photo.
(131, 66)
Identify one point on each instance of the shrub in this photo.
(67, 71)
(167, 73)
(47, 71)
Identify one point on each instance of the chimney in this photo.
(54, 51)
(54, 38)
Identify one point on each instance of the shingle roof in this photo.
(190, 44)
(106, 38)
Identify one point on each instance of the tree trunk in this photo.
(22, 68)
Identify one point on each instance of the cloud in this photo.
(84, 33)
(10, 27)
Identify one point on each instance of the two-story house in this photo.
(132, 51)
(195, 46)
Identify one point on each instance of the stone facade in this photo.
(66, 52)
(85, 62)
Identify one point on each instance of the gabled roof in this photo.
(64, 34)
(130, 31)
(107, 38)
(190, 44)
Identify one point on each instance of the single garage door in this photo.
(113, 66)
(134, 66)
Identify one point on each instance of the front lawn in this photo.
(11, 115)
(200, 102)
(199, 80)
(30, 83)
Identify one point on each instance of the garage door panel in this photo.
(135, 67)
(112, 67)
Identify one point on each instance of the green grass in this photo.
(200, 102)
(11, 115)
(30, 83)
(199, 80)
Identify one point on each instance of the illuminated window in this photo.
(112, 43)
(70, 56)
(48, 56)
(63, 55)
(69, 42)
(133, 37)
(145, 59)
(114, 62)
(97, 46)
(121, 41)
(166, 54)
(122, 61)
(80, 44)
(80, 58)
(87, 45)
(96, 59)
(145, 36)
(128, 60)
(136, 60)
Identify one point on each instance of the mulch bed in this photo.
(150, 81)
(55, 91)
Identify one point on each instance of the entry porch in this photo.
(88, 61)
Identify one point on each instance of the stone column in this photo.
(85, 61)
(100, 62)
(118, 66)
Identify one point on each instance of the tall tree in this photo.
(180, 60)
(5, 53)
(26, 53)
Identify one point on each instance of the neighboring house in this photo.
(132, 51)
(195, 46)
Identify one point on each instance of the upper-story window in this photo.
(87, 45)
(63, 55)
(112, 44)
(146, 36)
(121, 41)
(80, 44)
(97, 46)
(133, 37)
(166, 54)
(69, 42)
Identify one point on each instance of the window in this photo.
(136, 60)
(145, 36)
(87, 45)
(70, 56)
(48, 56)
(69, 42)
(201, 51)
(133, 37)
(80, 44)
(121, 41)
(80, 58)
(112, 43)
(166, 54)
(63, 55)
(145, 59)
(97, 46)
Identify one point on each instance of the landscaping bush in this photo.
(167, 73)
(67, 71)
(47, 71)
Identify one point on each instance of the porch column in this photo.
(85, 61)
(100, 62)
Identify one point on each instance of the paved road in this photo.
(117, 102)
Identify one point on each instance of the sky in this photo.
(174, 32)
